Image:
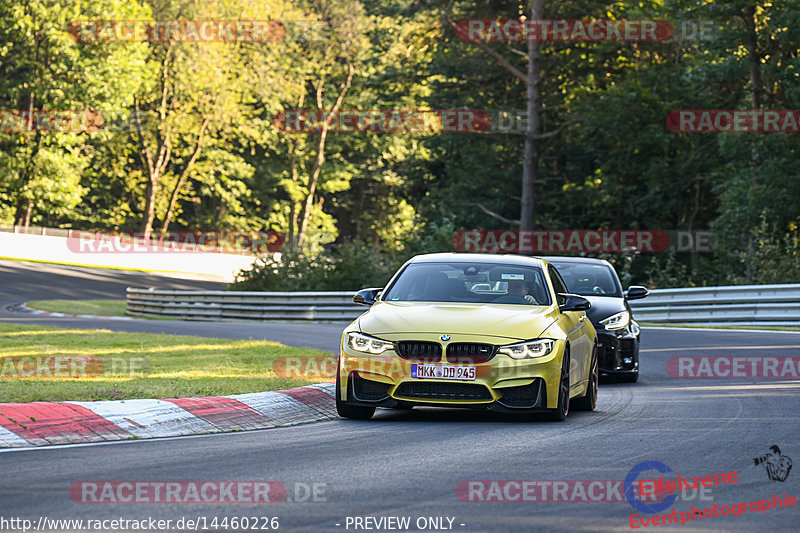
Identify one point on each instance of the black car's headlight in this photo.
(528, 349)
(617, 321)
(366, 344)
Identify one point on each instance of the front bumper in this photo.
(618, 350)
(502, 383)
(366, 392)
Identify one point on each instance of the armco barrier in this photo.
(776, 305)
(766, 305)
(243, 305)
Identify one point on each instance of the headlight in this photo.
(523, 350)
(618, 321)
(367, 344)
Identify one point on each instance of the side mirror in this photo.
(574, 302)
(636, 292)
(367, 296)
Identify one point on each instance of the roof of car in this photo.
(477, 258)
(573, 259)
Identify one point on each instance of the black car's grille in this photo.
(443, 391)
(369, 391)
(420, 350)
(469, 353)
(607, 355)
(524, 396)
(626, 348)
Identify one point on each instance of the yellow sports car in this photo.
(469, 330)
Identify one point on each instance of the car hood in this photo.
(514, 322)
(603, 307)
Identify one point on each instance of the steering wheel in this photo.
(598, 290)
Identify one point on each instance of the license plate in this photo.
(422, 371)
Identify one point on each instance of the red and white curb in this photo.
(43, 423)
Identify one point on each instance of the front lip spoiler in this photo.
(498, 405)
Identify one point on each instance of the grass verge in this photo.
(136, 365)
(81, 307)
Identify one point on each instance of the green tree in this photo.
(44, 68)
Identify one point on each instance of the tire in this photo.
(356, 412)
(562, 410)
(588, 401)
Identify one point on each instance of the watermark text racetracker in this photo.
(585, 30)
(323, 368)
(580, 241)
(562, 491)
(739, 120)
(733, 367)
(196, 31)
(563, 30)
(176, 241)
(197, 492)
(404, 121)
(62, 366)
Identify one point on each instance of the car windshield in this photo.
(470, 282)
(589, 279)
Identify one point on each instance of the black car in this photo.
(617, 331)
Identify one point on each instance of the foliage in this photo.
(350, 266)
(353, 206)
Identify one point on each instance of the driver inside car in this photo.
(520, 288)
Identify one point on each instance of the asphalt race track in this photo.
(409, 464)
(21, 282)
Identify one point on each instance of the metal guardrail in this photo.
(777, 305)
(38, 230)
(243, 305)
(767, 305)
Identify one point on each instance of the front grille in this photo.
(443, 391)
(420, 350)
(607, 355)
(369, 391)
(524, 396)
(626, 347)
(469, 353)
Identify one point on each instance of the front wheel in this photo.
(588, 401)
(562, 410)
(356, 412)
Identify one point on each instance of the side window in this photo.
(558, 284)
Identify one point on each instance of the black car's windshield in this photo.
(589, 279)
(470, 282)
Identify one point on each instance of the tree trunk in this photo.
(163, 137)
(294, 212)
(530, 159)
(314, 177)
(182, 180)
(22, 215)
(754, 56)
